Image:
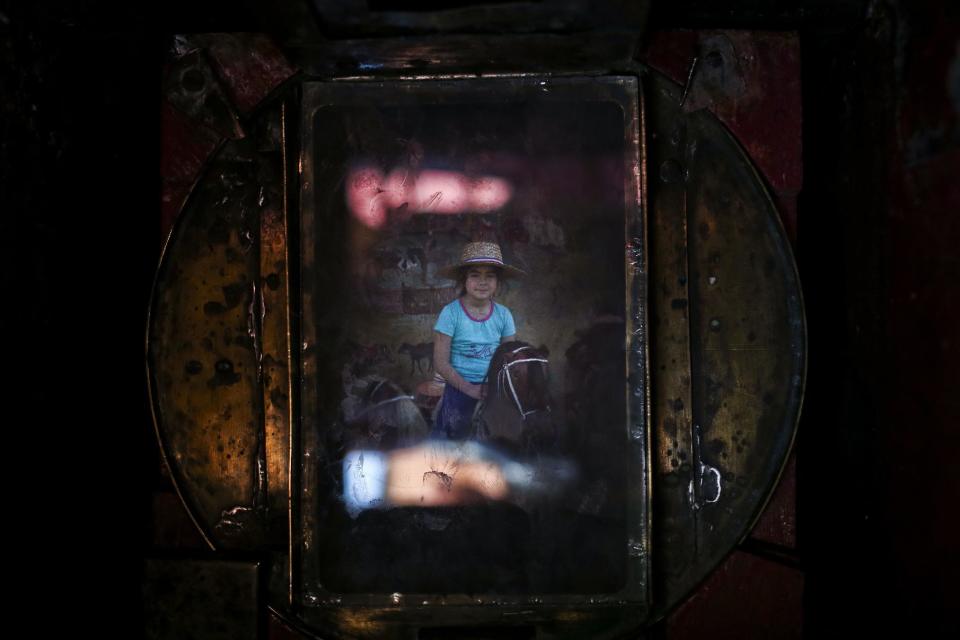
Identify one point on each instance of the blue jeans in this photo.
(455, 415)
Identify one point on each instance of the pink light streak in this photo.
(370, 194)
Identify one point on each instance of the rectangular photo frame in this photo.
(544, 499)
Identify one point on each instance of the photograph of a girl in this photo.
(466, 316)
(467, 333)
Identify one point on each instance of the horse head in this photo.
(516, 409)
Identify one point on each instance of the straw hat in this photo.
(480, 253)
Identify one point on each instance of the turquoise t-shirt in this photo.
(473, 340)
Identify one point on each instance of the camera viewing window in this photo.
(474, 377)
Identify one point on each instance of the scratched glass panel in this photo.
(481, 223)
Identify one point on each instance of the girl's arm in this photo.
(441, 362)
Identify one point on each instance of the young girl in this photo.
(467, 333)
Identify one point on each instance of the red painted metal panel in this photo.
(250, 66)
(751, 81)
(185, 147)
(778, 524)
(747, 597)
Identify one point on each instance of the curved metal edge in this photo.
(783, 242)
(787, 248)
(175, 228)
(277, 95)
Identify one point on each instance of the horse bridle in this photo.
(504, 374)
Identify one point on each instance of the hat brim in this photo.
(452, 272)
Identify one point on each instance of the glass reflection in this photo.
(516, 483)
(445, 473)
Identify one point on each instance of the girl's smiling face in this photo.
(481, 283)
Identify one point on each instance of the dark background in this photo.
(877, 487)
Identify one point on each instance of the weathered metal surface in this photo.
(362, 19)
(186, 145)
(213, 82)
(463, 56)
(213, 599)
(206, 345)
(751, 82)
(214, 77)
(487, 618)
(747, 344)
(249, 65)
(274, 359)
(672, 404)
(767, 123)
(193, 86)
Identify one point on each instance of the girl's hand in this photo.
(475, 391)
